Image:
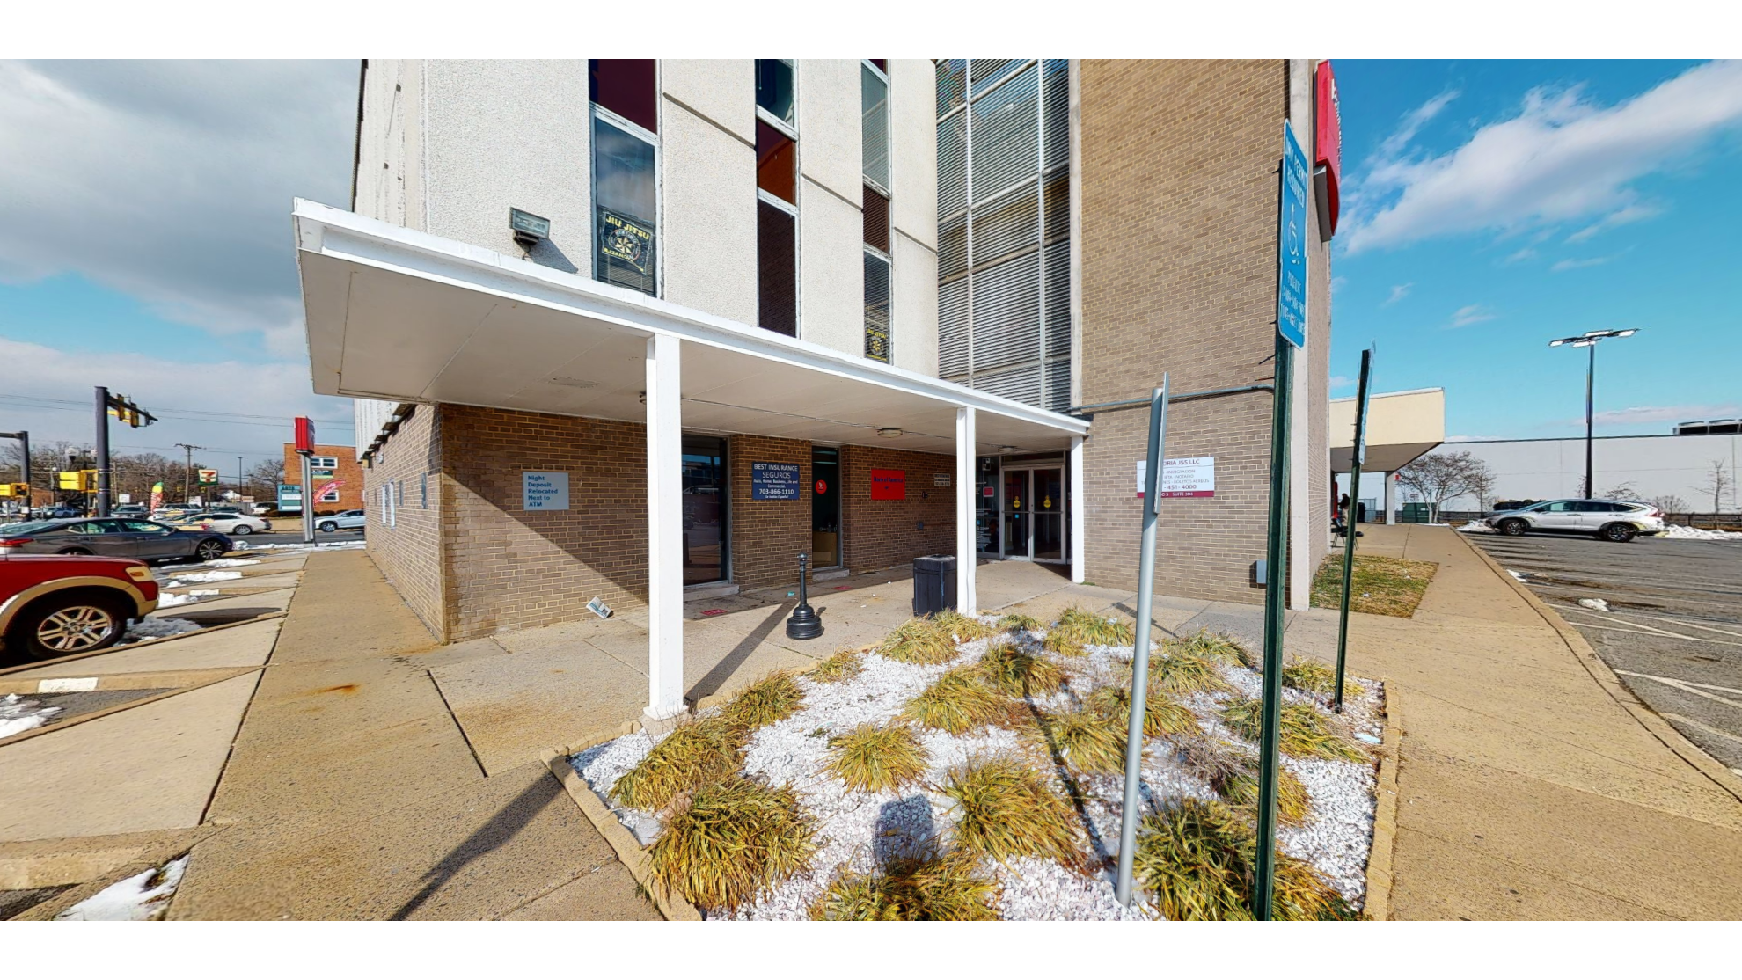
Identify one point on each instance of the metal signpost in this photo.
(1349, 515)
(1291, 324)
(1140, 652)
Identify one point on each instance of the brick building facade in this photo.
(332, 463)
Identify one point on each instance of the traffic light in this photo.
(123, 409)
(14, 490)
(69, 480)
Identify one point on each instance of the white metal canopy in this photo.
(406, 316)
(399, 314)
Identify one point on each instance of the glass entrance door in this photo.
(1034, 513)
(825, 507)
(704, 509)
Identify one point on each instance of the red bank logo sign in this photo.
(888, 484)
(305, 434)
(1327, 147)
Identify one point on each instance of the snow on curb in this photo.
(1700, 533)
(186, 577)
(167, 599)
(143, 897)
(154, 629)
(18, 715)
(856, 831)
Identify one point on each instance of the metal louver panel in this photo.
(952, 165)
(1021, 384)
(1058, 207)
(1058, 385)
(1006, 311)
(1058, 116)
(1006, 225)
(952, 83)
(1058, 299)
(1006, 137)
(989, 70)
(953, 248)
(953, 329)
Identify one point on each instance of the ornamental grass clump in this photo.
(1020, 621)
(695, 752)
(843, 665)
(1005, 809)
(1063, 644)
(1213, 647)
(1233, 774)
(729, 842)
(1303, 730)
(1162, 715)
(963, 628)
(1086, 741)
(933, 888)
(1317, 677)
(956, 702)
(918, 641)
(877, 759)
(771, 699)
(1017, 673)
(1198, 858)
(1088, 628)
(1182, 671)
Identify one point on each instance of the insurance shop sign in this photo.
(775, 481)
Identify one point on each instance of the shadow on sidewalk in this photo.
(501, 828)
(729, 664)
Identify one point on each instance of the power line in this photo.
(191, 415)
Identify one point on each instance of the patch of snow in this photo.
(1597, 604)
(1476, 527)
(143, 897)
(1517, 575)
(205, 577)
(166, 599)
(20, 715)
(230, 562)
(857, 831)
(1699, 533)
(152, 629)
(341, 546)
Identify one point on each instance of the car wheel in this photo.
(209, 549)
(1515, 527)
(62, 626)
(74, 551)
(241, 529)
(327, 526)
(1618, 533)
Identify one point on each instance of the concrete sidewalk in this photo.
(1529, 787)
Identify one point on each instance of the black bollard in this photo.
(804, 624)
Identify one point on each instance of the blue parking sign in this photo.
(1291, 237)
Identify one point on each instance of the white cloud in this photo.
(1522, 255)
(1337, 283)
(1625, 216)
(1397, 293)
(1412, 122)
(1474, 313)
(41, 380)
(1565, 265)
(1341, 382)
(1562, 158)
(1666, 413)
(172, 181)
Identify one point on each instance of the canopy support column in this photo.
(665, 698)
(1079, 516)
(966, 487)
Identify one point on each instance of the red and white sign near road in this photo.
(1186, 476)
(321, 491)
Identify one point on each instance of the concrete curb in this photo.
(90, 861)
(140, 645)
(1600, 672)
(187, 682)
(629, 850)
(1379, 855)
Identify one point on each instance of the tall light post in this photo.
(1590, 340)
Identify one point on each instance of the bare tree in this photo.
(1621, 491)
(1669, 503)
(1719, 483)
(1438, 477)
(263, 478)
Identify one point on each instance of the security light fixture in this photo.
(1003, 450)
(529, 229)
(889, 433)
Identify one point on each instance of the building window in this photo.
(776, 197)
(874, 122)
(625, 174)
(329, 496)
(874, 133)
(323, 462)
(423, 490)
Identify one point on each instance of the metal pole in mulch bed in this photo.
(1350, 531)
(1291, 328)
(1140, 652)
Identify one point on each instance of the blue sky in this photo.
(1488, 208)
(1493, 206)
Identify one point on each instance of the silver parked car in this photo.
(225, 523)
(1611, 520)
(114, 537)
(346, 520)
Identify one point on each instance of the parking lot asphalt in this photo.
(1672, 629)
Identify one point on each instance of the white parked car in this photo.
(233, 524)
(1611, 520)
(345, 520)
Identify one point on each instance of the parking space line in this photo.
(1708, 729)
(1688, 687)
(1643, 627)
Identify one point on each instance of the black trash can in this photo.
(934, 584)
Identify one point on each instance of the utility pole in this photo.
(102, 451)
(23, 437)
(187, 475)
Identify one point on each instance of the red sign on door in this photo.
(888, 484)
(822, 487)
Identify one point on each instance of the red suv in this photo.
(58, 605)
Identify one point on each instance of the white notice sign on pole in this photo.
(544, 490)
(1186, 476)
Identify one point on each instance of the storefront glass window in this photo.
(624, 207)
(704, 509)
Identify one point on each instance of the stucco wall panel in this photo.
(710, 226)
(916, 307)
(914, 149)
(723, 90)
(829, 145)
(831, 271)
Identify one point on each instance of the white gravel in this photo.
(855, 830)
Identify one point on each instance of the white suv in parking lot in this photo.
(1611, 520)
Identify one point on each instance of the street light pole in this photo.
(1590, 340)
